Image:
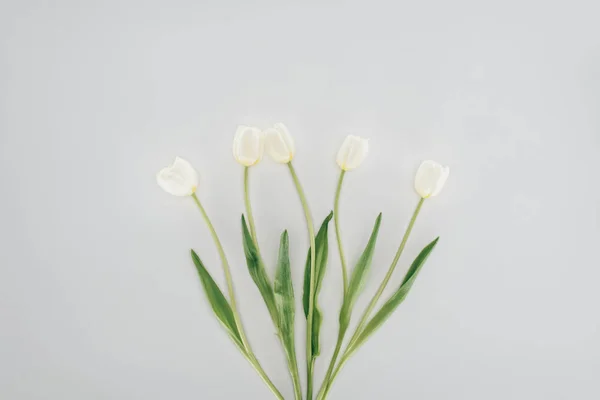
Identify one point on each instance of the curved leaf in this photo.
(284, 293)
(359, 276)
(217, 301)
(321, 255)
(322, 250)
(258, 272)
(284, 299)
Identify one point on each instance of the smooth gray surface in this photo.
(98, 296)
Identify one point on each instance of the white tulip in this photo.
(248, 145)
(279, 144)
(179, 179)
(430, 178)
(352, 153)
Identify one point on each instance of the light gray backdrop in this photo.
(98, 296)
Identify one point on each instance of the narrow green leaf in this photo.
(321, 255)
(284, 297)
(284, 291)
(394, 301)
(322, 250)
(306, 291)
(359, 275)
(316, 341)
(217, 301)
(258, 272)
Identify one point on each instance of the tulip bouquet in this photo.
(181, 179)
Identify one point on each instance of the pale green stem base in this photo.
(248, 353)
(364, 319)
(310, 361)
(293, 367)
(291, 358)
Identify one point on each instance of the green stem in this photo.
(311, 306)
(293, 365)
(388, 276)
(310, 372)
(261, 372)
(364, 319)
(325, 389)
(222, 255)
(248, 353)
(292, 362)
(328, 375)
(338, 235)
(342, 331)
(248, 207)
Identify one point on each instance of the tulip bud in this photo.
(430, 178)
(248, 145)
(352, 153)
(280, 144)
(179, 179)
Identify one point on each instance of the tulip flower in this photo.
(429, 181)
(279, 144)
(430, 178)
(178, 179)
(350, 156)
(352, 153)
(248, 145)
(181, 179)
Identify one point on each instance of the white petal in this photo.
(445, 171)
(248, 145)
(179, 179)
(352, 153)
(430, 178)
(279, 143)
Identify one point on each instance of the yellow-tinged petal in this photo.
(248, 145)
(352, 153)
(279, 143)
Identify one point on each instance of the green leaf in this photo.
(321, 255)
(284, 298)
(358, 278)
(217, 301)
(394, 301)
(316, 327)
(258, 272)
(322, 250)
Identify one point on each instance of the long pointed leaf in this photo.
(321, 255)
(322, 250)
(284, 298)
(217, 301)
(258, 272)
(359, 275)
(398, 297)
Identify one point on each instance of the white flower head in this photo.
(248, 145)
(178, 179)
(430, 178)
(279, 143)
(352, 153)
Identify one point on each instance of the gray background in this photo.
(98, 296)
